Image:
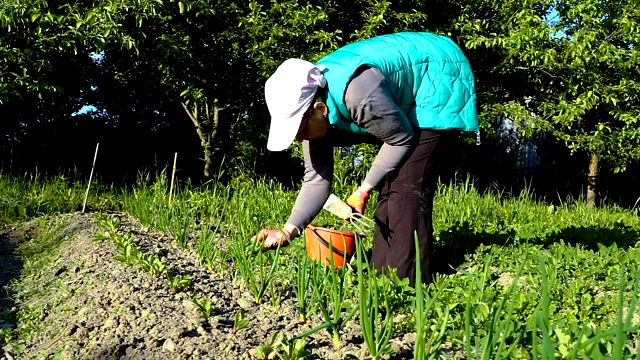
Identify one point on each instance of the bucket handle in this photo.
(326, 244)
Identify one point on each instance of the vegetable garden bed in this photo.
(521, 279)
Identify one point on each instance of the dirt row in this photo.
(86, 305)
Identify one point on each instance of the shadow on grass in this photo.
(461, 239)
(10, 268)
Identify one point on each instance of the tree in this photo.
(283, 29)
(46, 72)
(581, 63)
(215, 57)
(33, 31)
(182, 49)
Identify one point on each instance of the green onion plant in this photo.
(426, 348)
(257, 267)
(376, 316)
(304, 271)
(180, 226)
(330, 294)
(209, 247)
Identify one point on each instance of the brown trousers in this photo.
(406, 204)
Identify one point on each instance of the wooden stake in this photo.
(86, 196)
(173, 174)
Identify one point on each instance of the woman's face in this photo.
(314, 122)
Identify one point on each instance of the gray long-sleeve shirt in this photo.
(372, 105)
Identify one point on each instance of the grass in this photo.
(517, 277)
(39, 294)
(30, 196)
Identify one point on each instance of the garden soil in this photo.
(91, 306)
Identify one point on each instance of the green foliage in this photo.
(287, 28)
(567, 67)
(284, 348)
(332, 294)
(351, 166)
(304, 271)
(547, 303)
(293, 350)
(239, 321)
(153, 265)
(181, 226)
(464, 218)
(129, 253)
(376, 315)
(37, 254)
(110, 223)
(579, 59)
(523, 278)
(205, 306)
(178, 283)
(209, 252)
(428, 348)
(257, 268)
(31, 195)
(33, 34)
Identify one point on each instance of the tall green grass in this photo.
(523, 218)
(29, 196)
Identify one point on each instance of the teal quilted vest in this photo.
(428, 73)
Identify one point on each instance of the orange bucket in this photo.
(319, 243)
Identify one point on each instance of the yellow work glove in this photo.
(358, 200)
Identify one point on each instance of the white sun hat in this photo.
(289, 93)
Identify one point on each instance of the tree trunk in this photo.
(591, 179)
(207, 160)
(205, 139)
(207, 130)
